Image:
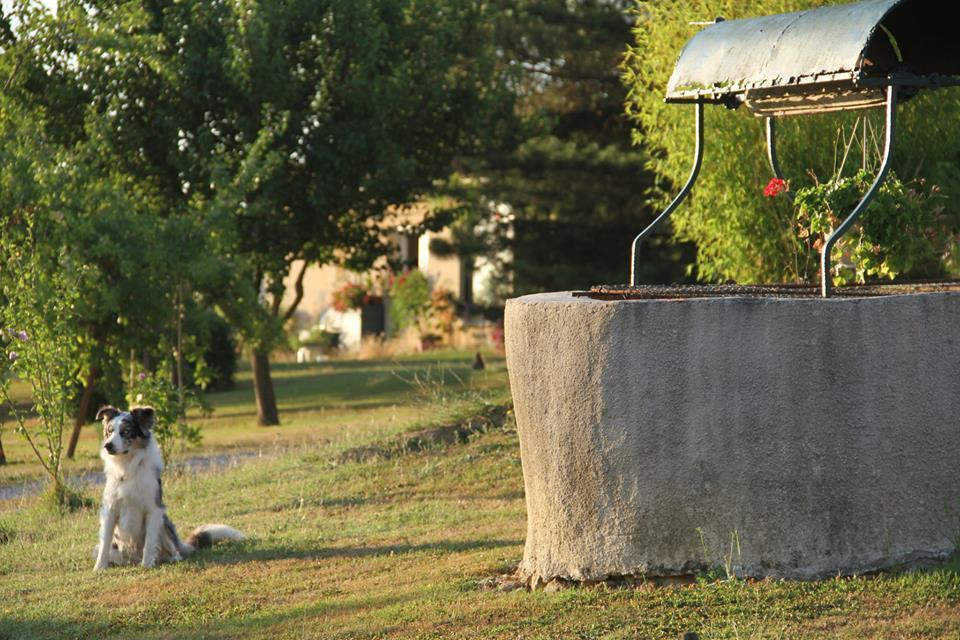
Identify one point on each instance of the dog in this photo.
(134, 526)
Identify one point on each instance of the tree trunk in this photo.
(83, 410)
(3, 456)
(267, 414)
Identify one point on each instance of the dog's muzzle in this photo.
(111, 449)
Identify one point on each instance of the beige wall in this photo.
(442, 271)
(319, 283)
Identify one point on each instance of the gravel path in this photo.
(196, 464)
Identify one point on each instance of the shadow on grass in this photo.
(352, 388)
(370, 404)
(244, 553)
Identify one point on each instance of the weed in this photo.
(725, 570)
(65, 498)
(7, 533)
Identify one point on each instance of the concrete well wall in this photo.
(823, 436)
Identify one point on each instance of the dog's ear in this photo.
(144, 417)
(107, 413)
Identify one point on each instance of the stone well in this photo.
(822, 435)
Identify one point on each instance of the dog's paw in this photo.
(100, 566)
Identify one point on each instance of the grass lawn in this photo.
(394, 547)
(335, 402)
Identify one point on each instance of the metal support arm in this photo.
(772, 148)
(772, 152)
(825, 282)
(698, 154)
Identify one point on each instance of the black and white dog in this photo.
(134, 527)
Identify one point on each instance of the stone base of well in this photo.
(821, 437)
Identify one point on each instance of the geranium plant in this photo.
(353, 296)
(409, 299)
(902, 232)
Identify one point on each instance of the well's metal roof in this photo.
(834, 57)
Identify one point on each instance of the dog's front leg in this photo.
(108, 523)
(151, 541)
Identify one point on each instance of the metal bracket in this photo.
(772, 153)
(838, 233)
(698, 161)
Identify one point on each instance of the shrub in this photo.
(40, 342)
(319, 338)
(741, 235)
(170, 404)
(219, 358)
(353, 296)
(902, 231)
(409, 299)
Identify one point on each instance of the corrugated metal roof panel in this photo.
(830, 51)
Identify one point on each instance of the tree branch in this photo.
(573, 77)
(298, 289)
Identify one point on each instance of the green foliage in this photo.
(739, 234)
(216, 336)
(281, 130)
(139, 249)
(901, 233)
(171, 404)
(318, 338)
(40, 338)
(409, 299)
(558, 210)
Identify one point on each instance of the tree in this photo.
(292, 127)
(138, 254)
(561, 208)
(739, 234)
(41, 329)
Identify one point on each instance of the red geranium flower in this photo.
(775, 187)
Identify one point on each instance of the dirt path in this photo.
(195, 464)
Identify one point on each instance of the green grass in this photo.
(398, 548)
(328, 402)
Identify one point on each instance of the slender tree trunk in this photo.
(267, 414)
(3, 456)
(83, 410)
(180, 350)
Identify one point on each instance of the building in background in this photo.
(414, 248)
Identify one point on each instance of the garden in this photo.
(174, 174)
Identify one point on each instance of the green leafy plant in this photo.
(409, 299)
(319, 338)
(171, 403)
(903, 232)
(716, 571)
(40, 343)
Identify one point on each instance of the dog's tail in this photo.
(208, 535)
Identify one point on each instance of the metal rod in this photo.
(825, 283)
(772, 148)
(698, 160)
(772, 153)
